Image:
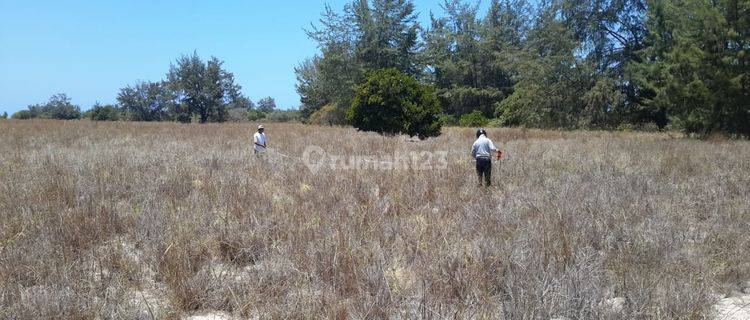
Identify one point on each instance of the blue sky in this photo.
(91, 49)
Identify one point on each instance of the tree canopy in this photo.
(390, 101)
(681, 64)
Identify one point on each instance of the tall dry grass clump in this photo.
(162, 220)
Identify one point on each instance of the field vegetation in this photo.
(164, 220)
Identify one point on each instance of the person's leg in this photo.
(488, 173)
(480, 171)
(482, 166)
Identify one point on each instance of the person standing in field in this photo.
(482, 151)
(259, 141)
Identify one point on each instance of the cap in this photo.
(260, 126)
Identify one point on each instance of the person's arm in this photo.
(492, 147)
(474, 151)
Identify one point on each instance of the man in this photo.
(482, 151)
(259, 141)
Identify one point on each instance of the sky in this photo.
(91, 49)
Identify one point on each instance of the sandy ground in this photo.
(733, 308)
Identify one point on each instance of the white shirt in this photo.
(259, 139)
(483, 147)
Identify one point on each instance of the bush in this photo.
(473, 119)
(103, 113)
(237, 115)
(495, 123)
(391, 102)
(58, 107)
(23, 115)
(330, 114)
(255, 115)
(449, 120)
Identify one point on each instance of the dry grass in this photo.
(137, 220)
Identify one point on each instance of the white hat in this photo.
(260, 127)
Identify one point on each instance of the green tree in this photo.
(468, 55)
(696, 69)
(366, 35)
(22, 115)
(241, 102)
(103, 113)
(473, 119)
(203, 89)
(57, 107)
(148, 101)
(551, 80)
(267, 105)
(255, 115)
(5, 115)
(391, 102)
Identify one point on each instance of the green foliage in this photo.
(4, 115)
(241, 102)
(254, 115)
(283, 116)
(367, 35)
(150, 101)
(696, 68)
(103, 113)
(58, 107)
(474, 119)
(330, 114)
(237, 115)
(449, 120)
(203, 89)
(267, 105)
(467, 57)
(22, 115)
(391, 102)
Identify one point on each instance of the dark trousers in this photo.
(484, 169)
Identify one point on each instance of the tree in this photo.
(255, 115)
(57, 107)
(148, 101)
(391, 102)
(467, 54)
(22, 115)
(5, 115)
(103, 113)
(386, 32)
(367, 35)
(696, 70)
(551, 80)
(241, 102)
(203, 89)
(267, 105)
(473, 119)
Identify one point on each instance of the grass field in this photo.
(163, 220)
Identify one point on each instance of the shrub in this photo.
(254, 115)
(449, 120)
(495, 123)
(237, 115)
(58, 107)
(391, 102)
(103, 113)
(473, 119)
(330, 114)
(23, 115)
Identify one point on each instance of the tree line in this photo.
(194, 91)
(612, 64)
